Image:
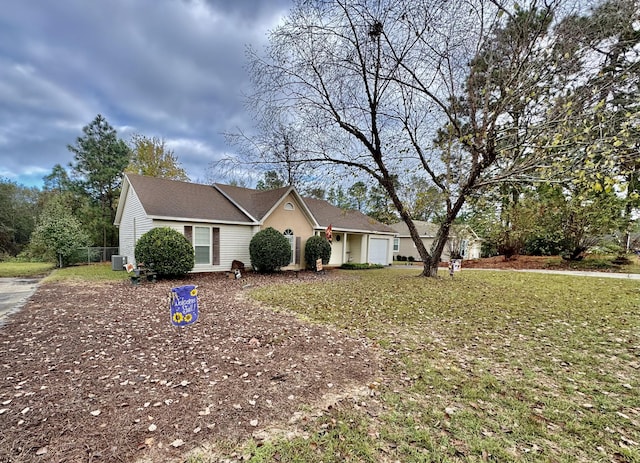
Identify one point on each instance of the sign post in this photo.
(455, 265)
(183, 306)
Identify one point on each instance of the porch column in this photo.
(344, 248)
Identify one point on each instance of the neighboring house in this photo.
(467, 242)
(220, 220)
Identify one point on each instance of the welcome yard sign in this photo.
(183, 303)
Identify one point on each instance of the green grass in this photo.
(24, 269)
(487, 366)
(91, 272)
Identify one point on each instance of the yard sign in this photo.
(183, 302)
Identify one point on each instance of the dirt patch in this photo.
(96, 372)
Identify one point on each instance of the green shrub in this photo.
(269, 250)
(166, 250)
(358, 266)
(317, 247)
(549, 244)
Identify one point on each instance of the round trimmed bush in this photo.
(317, 247)
(167, 250)
(269, 250)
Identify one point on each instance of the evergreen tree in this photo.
(100, 158)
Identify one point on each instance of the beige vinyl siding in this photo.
(407, 248)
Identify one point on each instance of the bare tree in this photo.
(275, 145)
(455, 91)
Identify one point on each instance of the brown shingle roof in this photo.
(170, 198)
(182, 200)
(255, 202)
(326, 214)
(425, 229)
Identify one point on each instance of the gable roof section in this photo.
(425, 229)
(185, 201)
(257, 203)
(260, 203)
(340, 219)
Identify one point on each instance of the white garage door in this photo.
(378, 251)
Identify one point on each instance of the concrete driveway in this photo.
(14, 293)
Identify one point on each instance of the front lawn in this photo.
(486, 366)
(91, 272)
(24, 269)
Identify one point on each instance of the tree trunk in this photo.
(427, 259)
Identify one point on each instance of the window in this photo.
(288, 234)
(288, 206)
(206, 243)
(202, 245)
(396, 244)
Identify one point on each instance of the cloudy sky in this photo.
(167, 68)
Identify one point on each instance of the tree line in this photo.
(521, 119)
(76, 206)
(484, 100)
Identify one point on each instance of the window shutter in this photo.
(298, 241)
(215, 242)
(188, 233)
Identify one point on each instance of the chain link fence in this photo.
(92, 255)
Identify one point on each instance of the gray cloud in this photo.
(167, 68)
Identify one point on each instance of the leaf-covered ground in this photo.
(485, 366)
(95, 372)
